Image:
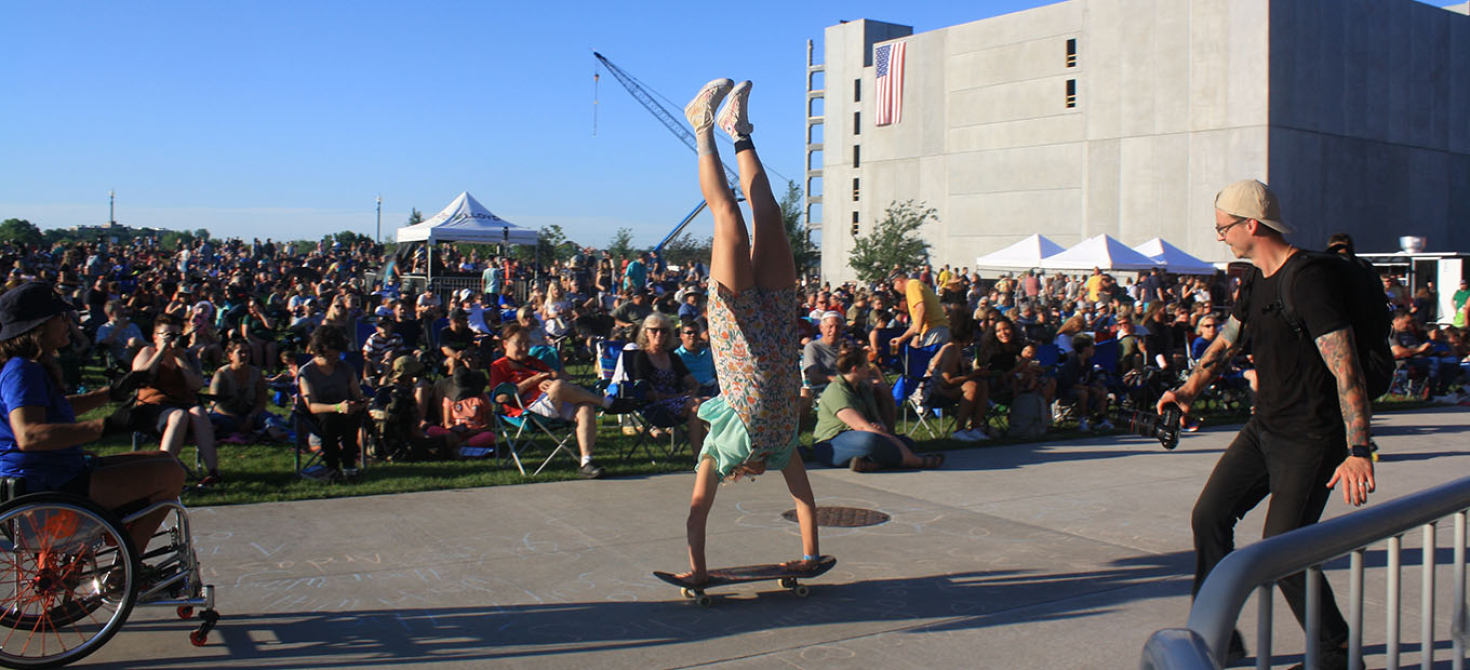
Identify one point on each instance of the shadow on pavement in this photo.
(961, 601)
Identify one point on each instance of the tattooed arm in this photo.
(1341, 357)
(1214, 361)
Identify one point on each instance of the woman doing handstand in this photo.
(752, 312)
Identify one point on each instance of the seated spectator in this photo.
(819, 358)
(400, 416)
(535, 330)
(168, 403)
(544, 392)
(1205, 333)
(633, 309)
(257, 329)
(239, 391)
(457, 341)
(1081, 387)
(671, 387)
(952, 379)
(1070, 329)
(698, 358)
(691, 309)
(332, 395)
(1417, 350)
(120, 337)
(1031, 376)
(467, 412)
(381, 349)
(1132, 354)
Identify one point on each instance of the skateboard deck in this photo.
(749, 573)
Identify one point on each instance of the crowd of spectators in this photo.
(226, 328)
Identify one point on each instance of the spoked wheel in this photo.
(68, 579)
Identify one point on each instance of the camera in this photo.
(1163, 427)
(172, 339)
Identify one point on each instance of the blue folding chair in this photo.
(522, 431)
(907, 391)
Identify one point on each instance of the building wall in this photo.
(1175, 99)
(1369, 131)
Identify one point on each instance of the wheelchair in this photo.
(70, 575)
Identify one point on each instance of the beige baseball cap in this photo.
(1250, 199)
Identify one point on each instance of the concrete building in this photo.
(1125, 117)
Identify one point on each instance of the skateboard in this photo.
(749, 573)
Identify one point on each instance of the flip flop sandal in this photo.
(932, 461)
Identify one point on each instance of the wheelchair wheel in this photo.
(68, 579)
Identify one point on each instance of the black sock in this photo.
(744, 144)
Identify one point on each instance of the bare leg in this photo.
(806, 504)
(586, 429)
(123, 478)
(770, 249)
(730, 254)
(204, 438)
(174, 428)
(706, 485)
(695, 425)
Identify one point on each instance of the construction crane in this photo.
(675, 126)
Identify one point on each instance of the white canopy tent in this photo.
(1023, 255)
(1173, 258)
(466, 220)
(1099, 252)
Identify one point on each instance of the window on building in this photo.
(854, 224)
(857, 123)
(1072, 52)
(854, 189)
(857, 90)
(1071, 95)
(856, 155)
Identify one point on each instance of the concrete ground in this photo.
(1060, 555)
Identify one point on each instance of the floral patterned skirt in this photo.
(757, 360)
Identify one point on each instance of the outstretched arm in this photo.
(1341, 356)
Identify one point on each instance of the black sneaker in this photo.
(590, 471)
(351, 475)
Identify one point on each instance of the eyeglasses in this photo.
(691, 332)
(1221, 230)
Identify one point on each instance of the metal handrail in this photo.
(1224, 593)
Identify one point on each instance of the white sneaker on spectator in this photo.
(968, 435)
(1102, 426)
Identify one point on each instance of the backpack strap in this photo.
(1283, 302)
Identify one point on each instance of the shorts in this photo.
(543, 406)
(938, 335)
(153, 418)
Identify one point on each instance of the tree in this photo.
(173, 239)
(685, 249)
(415, 217)
(349, 238)
(894, 241)
(803, 251)
(20, 230)
(201, 234)
(621, 245)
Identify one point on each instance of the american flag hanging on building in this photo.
(889, 59)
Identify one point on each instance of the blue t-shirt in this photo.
(24, 383)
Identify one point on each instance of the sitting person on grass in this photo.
(849, 432)
(544, 392)
(168, 403)
(239, 391)
(1082, 387)
(467, 412)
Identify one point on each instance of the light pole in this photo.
(380, 220)
(111, 217)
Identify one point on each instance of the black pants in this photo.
(339, 438)
(1295, 474)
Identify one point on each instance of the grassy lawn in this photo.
(266, 472)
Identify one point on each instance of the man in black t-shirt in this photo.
(1310, 427)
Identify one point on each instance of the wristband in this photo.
(810, 557)
(342, 407)
(1361, 451)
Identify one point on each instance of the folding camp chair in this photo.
(522, 430)
(304, 426)
(906, 392)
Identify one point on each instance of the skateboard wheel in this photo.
(801, 591)
(185, 612)
(704, 600)
(788, 583)
(686, 592)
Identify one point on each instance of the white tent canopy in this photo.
(1023, 255)
(466, 220)
(1173, 258)
(1099, 252)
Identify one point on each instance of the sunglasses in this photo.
(691, 332)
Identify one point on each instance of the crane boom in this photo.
(675, 126)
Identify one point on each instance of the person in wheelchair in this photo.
(41, 440)
(168, 402)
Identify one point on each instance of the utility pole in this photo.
(111, 216)
(380, 220)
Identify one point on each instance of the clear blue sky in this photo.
(286, 119)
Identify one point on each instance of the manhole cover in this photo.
(843, 517)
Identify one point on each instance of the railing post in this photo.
(1355, 611)
(1314, 616)
(1395, 574)
(1426, 635)
(1265, 602)
(1457, 625)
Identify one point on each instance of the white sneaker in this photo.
(1102, 426)
(701, 110)
(1448, 399)
(1082, 425)
(734, 119)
